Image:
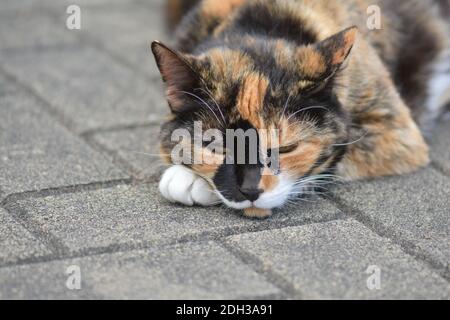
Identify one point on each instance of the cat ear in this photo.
(178, 75)
(337, 48)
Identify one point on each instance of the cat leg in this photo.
(387, 142)
(181, 185)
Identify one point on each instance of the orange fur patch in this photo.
(251, 97)
(349, 40)
(210, 163)
(302, 159)
(220, 8)
(257, 213)
(228, 63)
(268, 180)
(312, 63)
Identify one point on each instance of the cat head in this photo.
(280, 95)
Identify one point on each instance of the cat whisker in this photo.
(306, 109)
(285, 106)
(215, 102)
(350, 143)
(149, 154)
(206, 104)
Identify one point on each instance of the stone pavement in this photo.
(79, 116)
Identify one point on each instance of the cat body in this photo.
(347, 101)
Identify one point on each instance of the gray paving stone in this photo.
(134, 215)
(440, 147)
(16, 243)
(139, 148)
(190, 271)
(128, 32)
(125, 28)
(61, 4)
(89, 89)
(330, 260)
(413, 209)
(37, 153)
(31, 27)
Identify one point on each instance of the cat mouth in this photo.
(266, 201)
(263, 203)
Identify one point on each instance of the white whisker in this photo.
(350, 143)
(308, 108)
(156, 155)
(215, 102)
(204, 102)
(286, 106)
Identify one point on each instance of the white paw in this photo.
(180, 185)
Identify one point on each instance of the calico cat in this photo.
(347, 101)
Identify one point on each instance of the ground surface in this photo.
(79, 115)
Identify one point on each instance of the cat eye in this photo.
(314, 87)
(285, 149)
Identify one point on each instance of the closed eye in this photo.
(285, 149)
(288, 149)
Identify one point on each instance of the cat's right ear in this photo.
(178, 75)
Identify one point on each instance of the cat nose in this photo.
(251, 194)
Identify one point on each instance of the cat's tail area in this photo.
(438, 101)
(444, 7)
(176, 9)
(446, 114)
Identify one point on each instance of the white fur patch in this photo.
(278, 196)
(268, 200)
(438, 89)
(181, 185)
(236, 205)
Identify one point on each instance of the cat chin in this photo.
(235, 205)
(265, 202)
(268, 200)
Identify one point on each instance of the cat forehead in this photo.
(282, 70)
(271, 57)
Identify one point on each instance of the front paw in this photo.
(180, 185)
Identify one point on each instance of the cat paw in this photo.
(180, 185)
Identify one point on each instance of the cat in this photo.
(347, 101)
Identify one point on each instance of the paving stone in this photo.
(125, 28)
(331, 260)
(189, 271)
(128, 32)
(413, 209)
(440, 147)
(16, 243)
(37, 153)
(139, 148)
(89, 89)
(31, 27)
(136, 215)
(61, 4)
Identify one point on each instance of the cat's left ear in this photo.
(322, 60)
(178, 74)
(337, 47)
